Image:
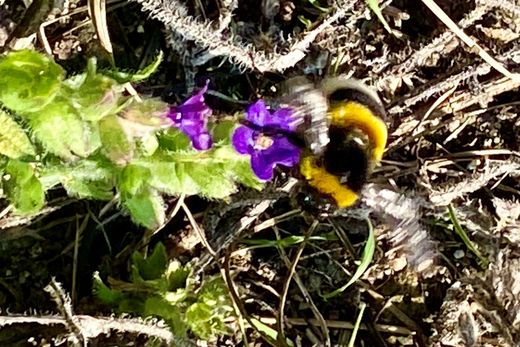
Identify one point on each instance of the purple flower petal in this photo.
(281, 152)
(242, 140)
(283, 118)
(202, 142)
(258, 113)
(191, 117)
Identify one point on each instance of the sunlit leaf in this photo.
(62, 132)
(117, 145)
(22, 187)
(14, 142)
(146, 208)
(147, 71)
(29, 80)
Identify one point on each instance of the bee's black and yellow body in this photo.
(357, 138)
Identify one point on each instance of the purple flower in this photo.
(266, 151)
(191, 117)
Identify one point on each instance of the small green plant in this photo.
(86, 134)
(166, 289)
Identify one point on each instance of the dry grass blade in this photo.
(97, 11)
(469, 41)
(319, 317)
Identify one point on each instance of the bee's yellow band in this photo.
(327, 183)
(353, 114)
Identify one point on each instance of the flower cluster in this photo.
(266, 150)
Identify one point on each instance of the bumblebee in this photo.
(341, 124)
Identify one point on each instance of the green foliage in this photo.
(22, 187)
(86, 135)
(483, 261)
(29, 81)
(61, 131)
(117, 146)
(374, 6)
(166, 289)
(14, 142)
(140, 75)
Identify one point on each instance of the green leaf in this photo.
(23, 188)
(104, 293)
(352, 339)
(483, 261)
(169, 177)
(238, 166)
(366, 259)
(157, 306)
(268, 331)
(174, 140)
(146, 208)
(29, 81)
(94, 96)
(148, 145)
(176, 275)
(133, 179)
(14, 143)
(99, 190)
(83, 170)
(124, 77)
(212, 179)
(374, 6)
(223, 131)
(142, 118)
(62, 132)
(152, 267)
(245, 175)
(215, 293)
(117, 145)
(198, 317)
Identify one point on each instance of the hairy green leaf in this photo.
(14, 143)
(83, 170)
(23, 188)
(168, 176)
(212, 179)
(94, 96)
(140, 119)
(174, 140)
(117, 145)
(146, 208)
(62, 132)
(123, 77)
(99, 190)
(157, 306)
(223, 131)
(29, 81)
(133, 179)
(148, 145)
(245, 175)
